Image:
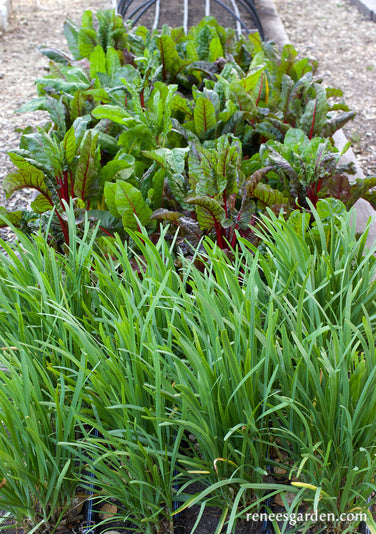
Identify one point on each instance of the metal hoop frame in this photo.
(249, 6)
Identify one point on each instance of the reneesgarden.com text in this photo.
(294, 519)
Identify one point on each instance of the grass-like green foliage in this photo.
(268, 360)
(38, 407)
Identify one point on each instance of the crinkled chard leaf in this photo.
(210, 213)
(125, 201)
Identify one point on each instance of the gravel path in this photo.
(344, 43)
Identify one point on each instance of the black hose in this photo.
(178, 529)
(250, 7)
(122, 7)
(233, 14)
(147, 4)
(88, 524)
(125, 4)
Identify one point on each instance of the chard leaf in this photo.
(170, 58)
(370, 196)
(40, 204)
(119, 169)
(206, 173)
(274, 158)
(34, 105)
(204, 116)
(302, 67)
(209, 212)
(314, 117)
(246, 212)
(362, 188)
(54, 107)
(60, 86)
(180, 104)
(286, 61)
(250, 82)
(335, 123)
(87, 41)
(166, 215)
(245, 101)
(136, 139)
(125, 201)
(99, 95)
(252, 182)
(295, 136)
(269, 196)
(341, 106)
(27, 176)
(71, 35)
(333, 92)
(69, 145)
(163, 99)
(105, 24)
(194, 165)
(177, 185)
(187, 134)
(116, 114)
(11, 217)
(42, 151)
(155, 193)
(86, 175)
(318, 159)
(76, 105)
(112, 61)
(107, 143)
(106, 220)
(287, 85)
(55, 54)
(203, 37)
(338, 186)
(215, 49)
(214, 99)
(56, 110)
(170, 159)
(97, 61)
(80, 126)
(206, 67)
(228, 165)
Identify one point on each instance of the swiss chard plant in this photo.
(308, 169)
(215, 195)
(202, 131)
(59, 171)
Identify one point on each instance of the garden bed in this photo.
(230, 366)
